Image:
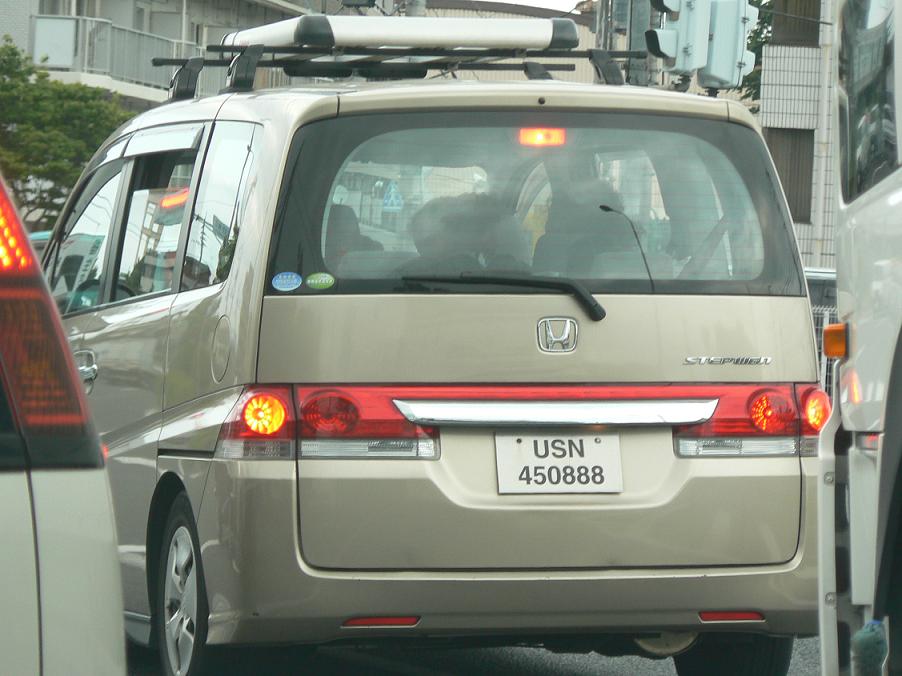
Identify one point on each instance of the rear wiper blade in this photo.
(578, 291)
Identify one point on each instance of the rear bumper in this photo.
(262, 591)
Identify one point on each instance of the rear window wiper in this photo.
(578, 291)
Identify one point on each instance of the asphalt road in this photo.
(337, 661)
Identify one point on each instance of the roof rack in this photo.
(330, 46)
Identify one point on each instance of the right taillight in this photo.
(816, 409)
(358, 422)
(755, 421)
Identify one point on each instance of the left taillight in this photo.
(35, 362)
(261, 426)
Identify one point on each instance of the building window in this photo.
(867, 114)
(801, 31)
(793, 153)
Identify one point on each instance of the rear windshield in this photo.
(622, 203)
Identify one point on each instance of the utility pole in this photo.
(640, 21)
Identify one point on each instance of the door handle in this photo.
(86, 363)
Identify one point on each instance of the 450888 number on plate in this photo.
(558, 463)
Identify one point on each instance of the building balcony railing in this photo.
(88, 45)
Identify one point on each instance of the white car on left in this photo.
(61, 596)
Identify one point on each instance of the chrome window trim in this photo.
(544, 413)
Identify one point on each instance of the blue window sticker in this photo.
(287, 281)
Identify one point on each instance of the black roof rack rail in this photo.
(386, 63)
(243, 69)
(184, 81)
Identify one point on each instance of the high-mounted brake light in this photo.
(534, 136)
(35, 363)
(175, 199)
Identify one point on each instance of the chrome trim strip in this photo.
(543, 413)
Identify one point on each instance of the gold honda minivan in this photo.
(518, 363)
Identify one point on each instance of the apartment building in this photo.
(797, 117)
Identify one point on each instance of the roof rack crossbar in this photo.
(383, 63)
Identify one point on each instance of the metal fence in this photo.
(83, 44)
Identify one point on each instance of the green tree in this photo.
(48, 132)
(758, 37)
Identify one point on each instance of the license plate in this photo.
(560, 463)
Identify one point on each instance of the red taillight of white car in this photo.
(758, 420)
(36, 366)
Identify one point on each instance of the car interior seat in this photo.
(343, 236)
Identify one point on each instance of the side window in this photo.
(867, 100)
(76, 278)
(216, 220)
(155, 211)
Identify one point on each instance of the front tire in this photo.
(737, 655)
(181, 611)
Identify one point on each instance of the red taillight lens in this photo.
(359, 422)
(264, 414)
(816, 409)
(261, 425)
(773, 413)
(329, 414)
(749, 421)
(15, 254)
(35, 360)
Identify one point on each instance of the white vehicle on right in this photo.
(860, 501)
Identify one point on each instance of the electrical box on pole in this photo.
(683, 40)
(728, 59)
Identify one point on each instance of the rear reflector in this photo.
(730, 616)
(386, 621)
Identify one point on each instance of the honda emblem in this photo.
(557, 334)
